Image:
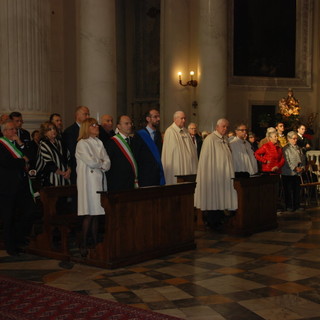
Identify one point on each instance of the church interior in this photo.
(212, 59)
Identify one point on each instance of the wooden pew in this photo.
(54, 219)
(257, 204)
(140, 224)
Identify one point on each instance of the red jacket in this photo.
(271, 156)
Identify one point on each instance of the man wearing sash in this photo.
(147, 151)
(17, 204)
(179, 153)
(123, 174)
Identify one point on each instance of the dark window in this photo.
(264, 38)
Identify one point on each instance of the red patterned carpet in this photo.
(26, 300)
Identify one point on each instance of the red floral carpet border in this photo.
(23, 300)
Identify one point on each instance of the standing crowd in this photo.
(99, 157)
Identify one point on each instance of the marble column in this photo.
(25, 84)
(96, 50)
(175, 57)
(212, 46)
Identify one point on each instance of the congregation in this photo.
(99, 157)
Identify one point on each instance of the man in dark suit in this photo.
(23, 134)
(106, 129)
(17, 204)
(196, 138)
(303, 142)
(56, 119)
(70, 138)
(147, 147)
(123, 172)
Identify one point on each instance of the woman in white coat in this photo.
(92, 162)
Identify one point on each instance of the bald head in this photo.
(82, 113)
(179, 118)
(106, 122)
(222, 126)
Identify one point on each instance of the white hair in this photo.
(175, 115)
(220, 121)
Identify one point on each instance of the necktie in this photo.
(193, 139)
(128, 141)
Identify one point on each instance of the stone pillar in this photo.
(24, 59)
(175, 57)
(212, 88)
(96, 50)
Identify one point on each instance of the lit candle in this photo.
(179, 74)
(191, 74)
(98, 116)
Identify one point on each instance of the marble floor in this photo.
(270, 275)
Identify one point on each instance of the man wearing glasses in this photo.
(242, 154)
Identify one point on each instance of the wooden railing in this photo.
(139, 224)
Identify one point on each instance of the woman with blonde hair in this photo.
(92, 163)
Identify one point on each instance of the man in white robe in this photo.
(214, 192)
(242, 153)
(179, 154)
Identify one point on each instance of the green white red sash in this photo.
(126, 150)
(17, 154)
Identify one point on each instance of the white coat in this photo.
(243, 156)
(214, 189)
(92, 162)
(179, 154)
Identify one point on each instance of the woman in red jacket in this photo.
(270, 155)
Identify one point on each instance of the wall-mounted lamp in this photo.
(191, 82)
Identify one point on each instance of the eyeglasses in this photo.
(242, 130)
(95, 125)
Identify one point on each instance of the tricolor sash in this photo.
(16, 153)
(155, 152)
(126, 150)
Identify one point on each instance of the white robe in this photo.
(179, 154)
(214, 190)
(243, 156)
(92, 162)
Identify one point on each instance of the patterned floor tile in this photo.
(228, 284)
(214, 299)
(234, 311)
(176, 281)
(229, 270)
(195, 290)
(259, 248)
(275, 258)
(269, 275)
(116, 289)
(291, 287)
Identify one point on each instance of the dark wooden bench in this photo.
(257, 204)
(55, 219)
(140, 224)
